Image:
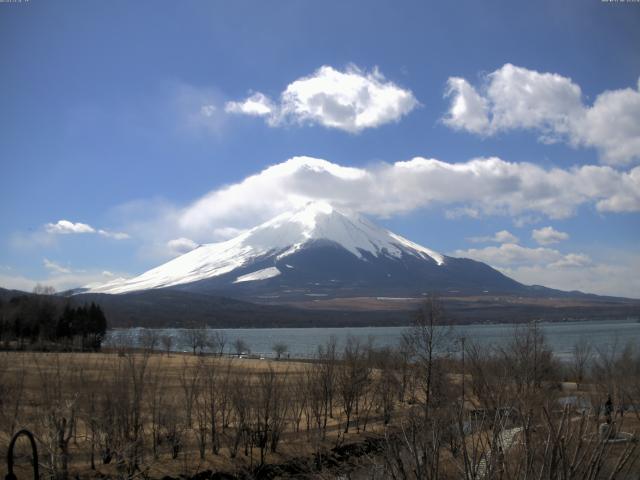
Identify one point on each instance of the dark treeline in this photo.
(42, 321)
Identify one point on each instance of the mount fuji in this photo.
(318, 266)
(317, 251)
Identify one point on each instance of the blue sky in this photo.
(129, 122)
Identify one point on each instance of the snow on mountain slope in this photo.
(263, 274)
(281, 236)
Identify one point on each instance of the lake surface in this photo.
(304, 342)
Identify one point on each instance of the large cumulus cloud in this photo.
(486, 186)
(351, 100)
(518, 98)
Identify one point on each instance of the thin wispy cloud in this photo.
(516, 98)
(66, 227)
(511, 254)
(114, 235)
(195, 110)
(351, 100)
(54, 267)
(554, 268)
(611, 275)
(503, 236)
(58, 276)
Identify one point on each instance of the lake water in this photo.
(303, 342)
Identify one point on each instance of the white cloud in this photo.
(114, 235)
(503, 236)
(54, 267)
(273, 190)
(468, 109)
(483, 186)
(60, 280)
(572, 260)
(608, 275)
(350, 100)
(181, 245)
(611, 275)
(518, 98)
(257, 105)
(510, 254)
(65, 227)
(548, 235)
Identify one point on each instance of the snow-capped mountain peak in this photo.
(279, 238)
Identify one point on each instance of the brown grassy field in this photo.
(38, 386)
(360, 413)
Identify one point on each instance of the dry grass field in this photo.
(174, 406)
(399, 413)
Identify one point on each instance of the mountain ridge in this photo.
(317, 266)
(317, 246)
(277, 239)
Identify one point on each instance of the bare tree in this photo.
(148, 339)
(122, 412)
(202, 411)
(279, 349)
(270, 412)
(44, 290)
(59, 411)
(189, 383)
(198, 339)
(240, 346)
(430, 339)
(582, 354)
(416, 451)
(91, 386)
(387, 384)
(172, 431)
(353, 375)
(316, 404)
(328, 357)
(298, 394)
(214, 395)
(241, 408)
(218, 340)
(167, 343)
(12, 387)
(157, 403)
